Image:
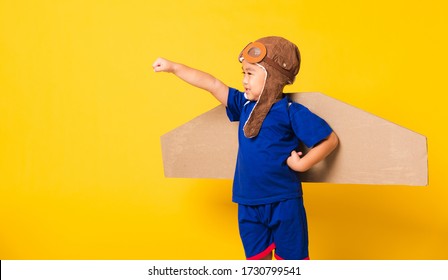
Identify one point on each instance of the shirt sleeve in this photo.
(308, 127)
(235, 104)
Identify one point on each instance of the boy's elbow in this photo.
(220, 91)
(334, 140)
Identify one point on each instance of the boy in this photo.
(266, 185)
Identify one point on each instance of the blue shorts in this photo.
(281, 226)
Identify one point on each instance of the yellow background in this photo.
(81, 115)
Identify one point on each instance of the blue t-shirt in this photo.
(262, 175)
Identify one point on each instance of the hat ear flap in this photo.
(271, 93)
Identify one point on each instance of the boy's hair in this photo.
(281, 60)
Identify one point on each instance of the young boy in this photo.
(267, 186)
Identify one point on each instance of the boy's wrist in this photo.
(175, 67)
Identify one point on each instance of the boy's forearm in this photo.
(317, 153)
(194, 77)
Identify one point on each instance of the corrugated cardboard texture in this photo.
(371, 150)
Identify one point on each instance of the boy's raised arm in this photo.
(194, 77)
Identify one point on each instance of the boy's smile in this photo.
(254, 80)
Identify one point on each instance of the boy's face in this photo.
(253, 81)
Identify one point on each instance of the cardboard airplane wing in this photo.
(371, 150)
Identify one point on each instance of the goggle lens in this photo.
(253, 53)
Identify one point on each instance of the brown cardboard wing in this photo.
(371, 150)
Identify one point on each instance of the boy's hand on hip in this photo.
(294, 163)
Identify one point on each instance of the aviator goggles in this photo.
(256, 52)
